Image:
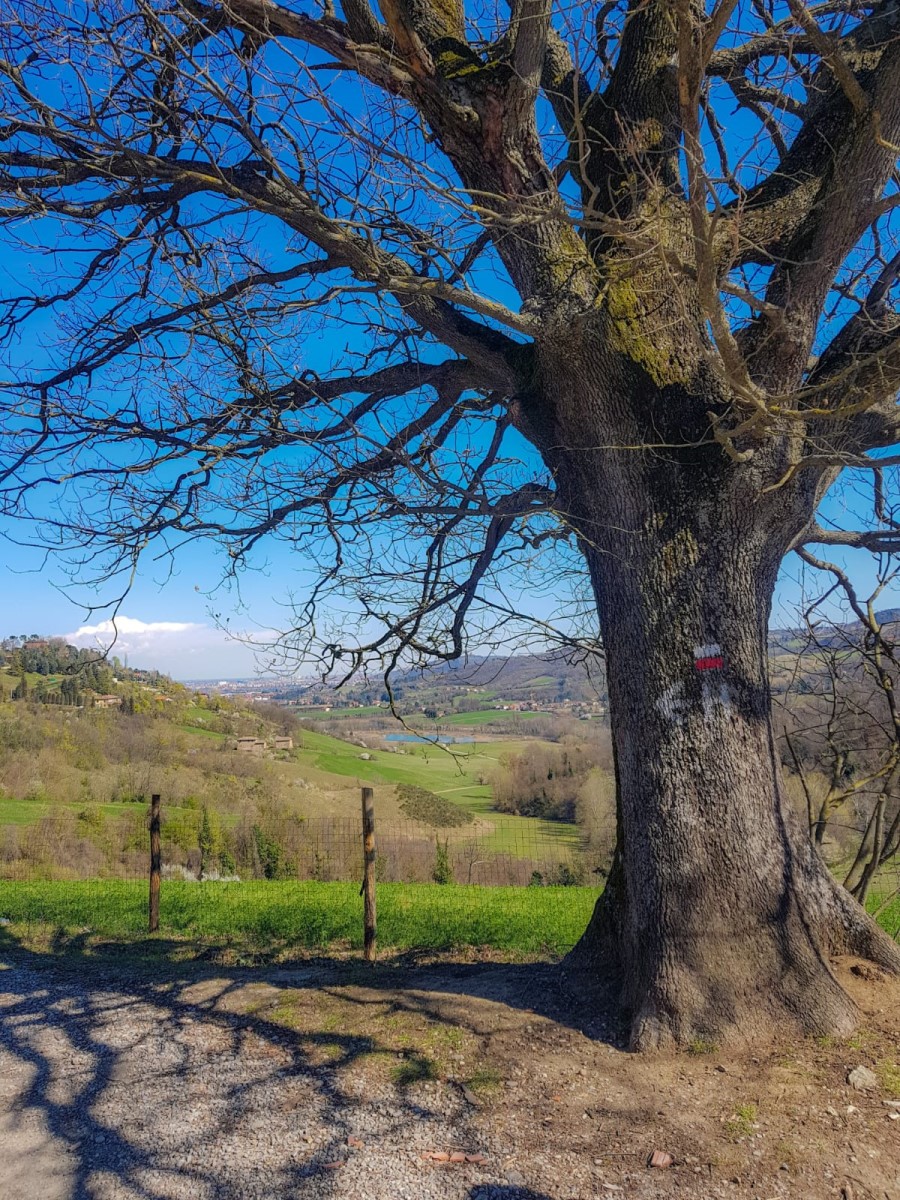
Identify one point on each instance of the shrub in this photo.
(431, 809)
(443, 870)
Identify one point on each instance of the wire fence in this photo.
(502, 852)
(506, 882)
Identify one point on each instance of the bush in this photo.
(443, 871)
(431, 809)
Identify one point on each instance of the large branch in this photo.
(430, 301)
(814, 205)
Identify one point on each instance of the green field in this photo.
(546, 920)
(27, 812)
(453, 773)
(485, 716)
(309, 915)
(338, 714)
(333, 766)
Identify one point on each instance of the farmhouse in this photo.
(251, 745)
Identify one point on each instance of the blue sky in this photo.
(173, 619)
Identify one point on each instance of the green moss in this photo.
(629, 334)
(449, 13)
(889, 1076)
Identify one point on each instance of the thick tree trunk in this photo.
(719, 917)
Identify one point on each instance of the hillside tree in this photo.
(437, 294)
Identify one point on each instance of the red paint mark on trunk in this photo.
(710, 664)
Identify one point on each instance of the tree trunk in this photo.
(719, 916)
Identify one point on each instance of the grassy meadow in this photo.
(75, 785)
(309, 915)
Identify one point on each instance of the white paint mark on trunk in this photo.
(672, 704)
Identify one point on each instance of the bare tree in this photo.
(841, 723)
(431, 293)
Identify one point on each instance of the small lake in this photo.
(443, 738)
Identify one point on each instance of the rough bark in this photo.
(720, 916)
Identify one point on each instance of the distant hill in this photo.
(49, 670)
(837, 634)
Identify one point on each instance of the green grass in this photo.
(28, 812)
(337, 714)
(24, 813)
(485, 716)
(452, 775)
(197, 731)
(422, 916)
(8, 681)
(887, 911)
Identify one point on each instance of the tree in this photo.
(844, 724)
(207, 840)
(432, 293)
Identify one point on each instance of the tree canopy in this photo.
(298, 273)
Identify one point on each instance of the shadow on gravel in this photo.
(108, 1051)
(491, 1192)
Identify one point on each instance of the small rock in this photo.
(865, 971)
(516, 1179)
(863, 1079)
(660, 1159)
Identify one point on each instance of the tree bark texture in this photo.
(720, 916)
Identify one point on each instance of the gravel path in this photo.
(109, 1093)
(201, 1084)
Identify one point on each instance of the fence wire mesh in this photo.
(506, 883)
(513, 884)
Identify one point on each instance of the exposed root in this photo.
(738, 991)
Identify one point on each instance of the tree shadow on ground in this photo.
(108, 1051)
(492, 1192)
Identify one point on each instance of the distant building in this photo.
(284, 743)
(107, 701)
(251, 745)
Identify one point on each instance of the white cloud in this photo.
(183, 649)
(125, 626)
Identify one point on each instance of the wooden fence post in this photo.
(368, 885)
(155, 863)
